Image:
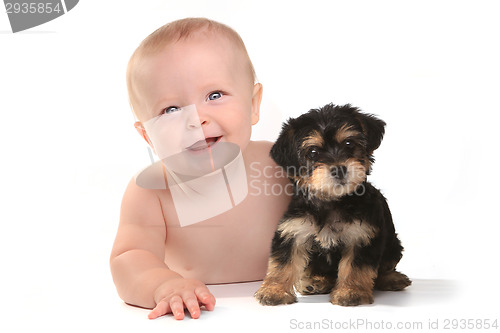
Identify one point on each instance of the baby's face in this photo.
(208, 72)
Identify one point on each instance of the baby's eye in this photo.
(215, 95)
(170, 109)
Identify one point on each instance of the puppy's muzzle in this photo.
(339, 172)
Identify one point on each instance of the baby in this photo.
(157, 262)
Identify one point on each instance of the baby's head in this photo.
(201, 63)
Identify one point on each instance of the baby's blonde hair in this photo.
(174, 32)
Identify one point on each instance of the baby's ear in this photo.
(142, 132)
(373, 128)
(256, 100)
(284, 150)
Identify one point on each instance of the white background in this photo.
(430, 69)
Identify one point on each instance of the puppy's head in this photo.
(327, 152)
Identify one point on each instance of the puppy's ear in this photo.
(373, 128)
(284, 151)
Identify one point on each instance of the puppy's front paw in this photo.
(274, 295)
(312, 285)
(351, 297)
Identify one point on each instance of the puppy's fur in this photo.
(337, 235)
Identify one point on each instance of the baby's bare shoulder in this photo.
(258, 151)
(262, 166)
(140, 206)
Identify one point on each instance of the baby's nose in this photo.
(203, 118)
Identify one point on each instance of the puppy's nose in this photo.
(339, 172)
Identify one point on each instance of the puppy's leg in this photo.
(388, 278)
(277, 287)
(355, 280)
(289, 257)
(392, 281)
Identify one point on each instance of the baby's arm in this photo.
(137, 261)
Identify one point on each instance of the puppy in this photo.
(337, 235)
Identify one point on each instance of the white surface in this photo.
(430, 69)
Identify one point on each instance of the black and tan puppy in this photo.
(337, 235)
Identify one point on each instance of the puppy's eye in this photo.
(313, 154)
(348, 143)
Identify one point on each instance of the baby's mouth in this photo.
(203, 144)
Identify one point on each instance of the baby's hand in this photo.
(176, 294)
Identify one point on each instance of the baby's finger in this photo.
(163, 307)
(192, 305)
(205, 297)
(177, 307)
